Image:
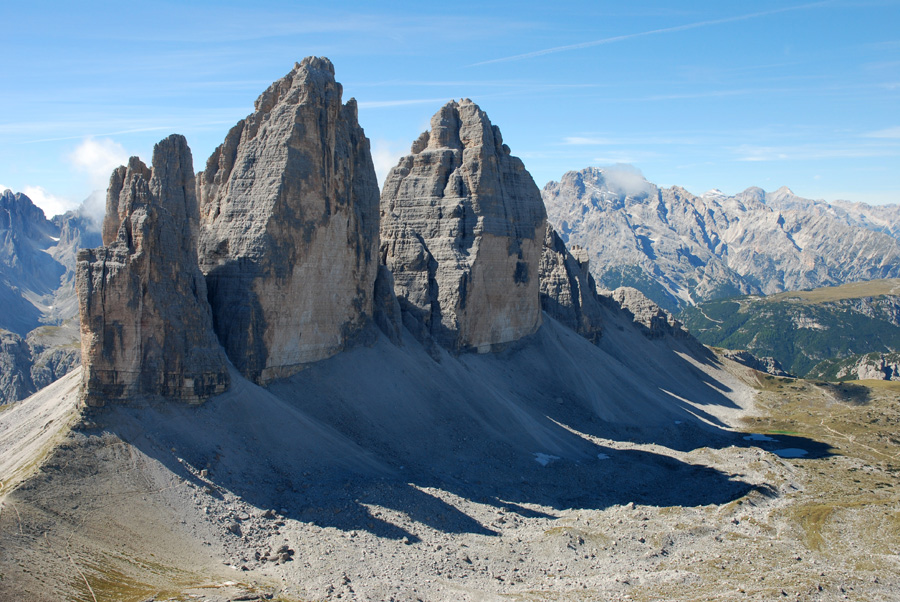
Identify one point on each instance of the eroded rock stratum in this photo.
(462, 229)
(289, 227)
(146, 327)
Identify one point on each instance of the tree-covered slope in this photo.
(806, 328)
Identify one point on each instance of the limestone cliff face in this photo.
(568, 291)
(681, 249)
(146, 328)
(873, 366)
(289, 227)
(462, 229)
(654, 321)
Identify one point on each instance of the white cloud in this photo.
(582, 140)
(885, 133)
(50, 203)
(383, 104)
(98, 158)
(94, 207)
(385, 155)
(626, 179)
(653, 32)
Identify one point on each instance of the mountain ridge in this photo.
(680, 249)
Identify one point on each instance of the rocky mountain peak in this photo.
(679, 249)
(146, 328)
(462, 231)
(22, 219)
(311, 77)
(290, 198)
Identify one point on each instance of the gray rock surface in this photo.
(146, 328)
(568, 291)
(289, 227)
(15, 368)
(874, 366)
(654, 321)
(769, 365)
(680, 249)
(54, 350)
(28, 272)
(462, 230)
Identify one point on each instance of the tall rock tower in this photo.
(289, 227)
(462, 230)
(146, 327)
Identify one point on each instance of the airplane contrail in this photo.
(641, 34)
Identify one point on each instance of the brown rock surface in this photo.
(462, 231)
(146, 328)
(289, 227)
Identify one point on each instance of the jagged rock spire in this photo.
(462, 230)
(289, 226)
(146, 327)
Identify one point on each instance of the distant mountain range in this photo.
(835, 333)
(39, 333)
(680, 249)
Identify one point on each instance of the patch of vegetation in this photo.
(852, 290)
(811, 333)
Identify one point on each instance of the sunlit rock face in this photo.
(146, 326)
(462, 229)
(289, 227)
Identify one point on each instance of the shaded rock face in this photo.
(655, 321)
(146, 328)
(15, 368)
(766, 364)
(28, 270)
(568, 291)
(289, 227)
(462, 231)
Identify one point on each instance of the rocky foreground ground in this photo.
(136, 503)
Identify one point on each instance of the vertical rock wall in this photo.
(462, 229)
(146, 327)
(289, 227)
(568, 291)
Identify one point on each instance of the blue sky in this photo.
(722, 94)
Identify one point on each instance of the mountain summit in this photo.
(680, 249)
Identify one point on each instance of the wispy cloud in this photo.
(652, 32)
(891, 133)
(585, 141)
(98, 158)
(809, 152)
(385, 155)
(382, 104)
